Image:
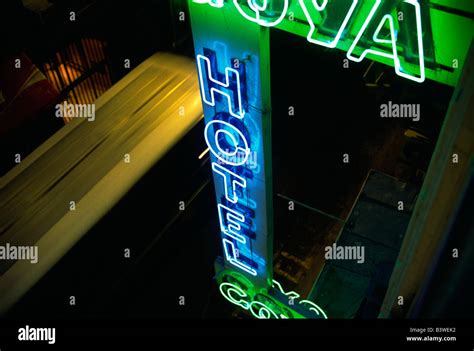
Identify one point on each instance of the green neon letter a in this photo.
(370, 35)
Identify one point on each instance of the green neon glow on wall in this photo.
(239, 291)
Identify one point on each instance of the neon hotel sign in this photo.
(257, 11)
(234, 111)
(229, 142)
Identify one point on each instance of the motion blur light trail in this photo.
(64, 187)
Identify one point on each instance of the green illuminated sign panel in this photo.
(273, 303)
(417, 38)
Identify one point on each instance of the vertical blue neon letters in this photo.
(230, 146)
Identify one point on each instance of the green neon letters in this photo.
(240, 291)
(270, 13)
(264, 14)
(393, 41)
(312, 32)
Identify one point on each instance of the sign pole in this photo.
(233, 64)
